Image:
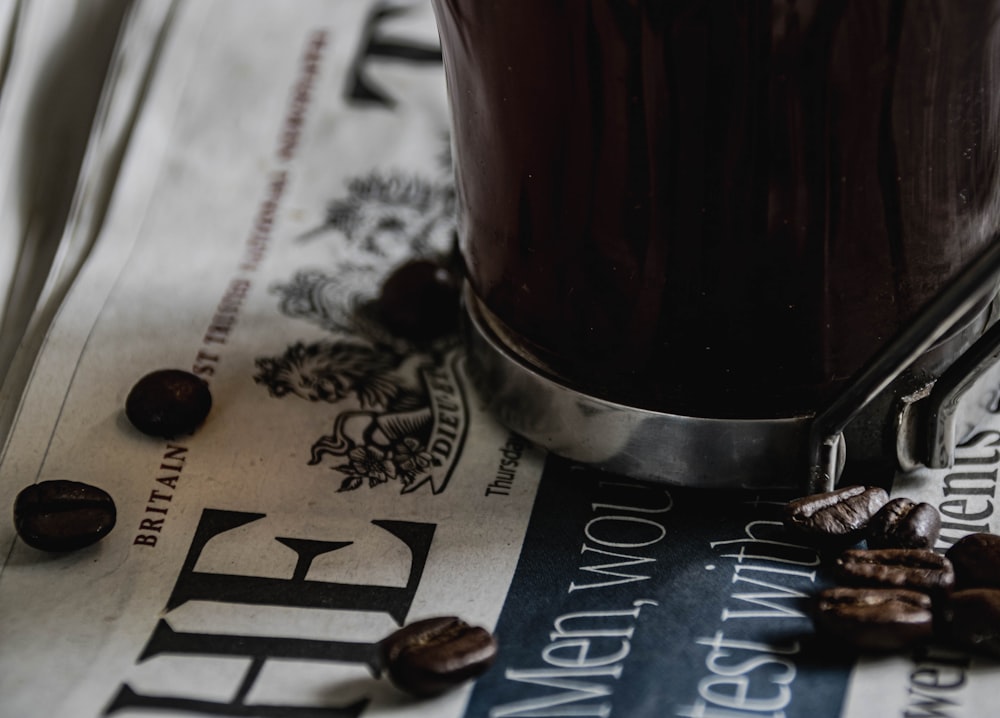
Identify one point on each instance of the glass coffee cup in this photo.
(706, 240)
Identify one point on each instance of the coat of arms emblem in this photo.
(409, 417)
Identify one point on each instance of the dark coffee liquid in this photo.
(715, 207)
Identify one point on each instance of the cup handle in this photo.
(954, 406)
(937, 415)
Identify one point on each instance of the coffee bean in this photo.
(971, 618)
(168, 403)
(976, 558)
(902, 523)
(915, 569)
(63, 515)
(419, 301)
(835, 518)
(431, 656)
(874, 619)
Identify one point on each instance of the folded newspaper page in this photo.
(35, 299)
(347, 481)
(54, 57)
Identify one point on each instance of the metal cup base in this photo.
(893, 415)
(640, 443)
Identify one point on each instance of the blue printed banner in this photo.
(632, 600)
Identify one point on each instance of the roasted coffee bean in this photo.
(902, 523)
(431, 656)
(976, 558)
(168, 403)
(419, 301)
(835, 518)
(972, 619)
(874, 619)
(914, 568)
(63, 515)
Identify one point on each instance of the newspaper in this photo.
(348, 482)
(54, 57)
(44, 277)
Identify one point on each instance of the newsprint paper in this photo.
(285, 158)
